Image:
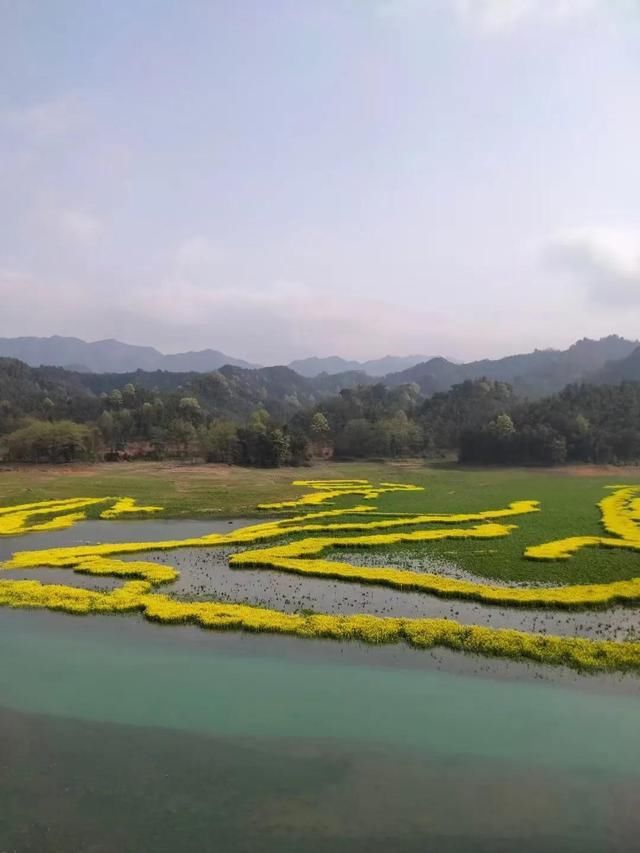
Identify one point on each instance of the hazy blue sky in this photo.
(279, 178)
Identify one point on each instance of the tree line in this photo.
(49, 418)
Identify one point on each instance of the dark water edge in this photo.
(72, 785)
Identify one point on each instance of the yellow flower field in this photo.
(308, 536)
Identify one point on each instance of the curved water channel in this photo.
(205, 574)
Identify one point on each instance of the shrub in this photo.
(60, 441)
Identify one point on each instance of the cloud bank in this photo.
(604, 261)
(493, 17)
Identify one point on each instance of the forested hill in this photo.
(583, 423)
(484, 422)
(624, 370)
(273, 416)
(231, 392)
(534, 374)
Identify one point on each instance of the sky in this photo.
(314, 177)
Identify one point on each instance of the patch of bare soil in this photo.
(594, 471)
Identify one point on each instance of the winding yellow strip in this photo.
(619, 517)
(19, 519)
(592, 655)
(127, 505)
(326, 490)
(620, 510)
(297, 557)
(75, 554)
(15, 520)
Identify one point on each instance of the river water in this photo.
(117, 734)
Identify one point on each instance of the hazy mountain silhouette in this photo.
(110, 356)
(314, 366)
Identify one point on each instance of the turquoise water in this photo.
(120, 735)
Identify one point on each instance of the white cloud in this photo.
(605, 261)
(400, 9)
(197, 252)
(45, 120)
(77, 226)
(39, 307)
(62, 228)
(493, 17)
(499, 16)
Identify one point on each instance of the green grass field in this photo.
(568, 500)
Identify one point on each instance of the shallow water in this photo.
(205, 573)
(121, 735)
(89, 532)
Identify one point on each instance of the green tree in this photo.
(218, 442)
(107, 428)
(190, 410)
(320, 428)
(502, 426)
(146, 419)
(183, 434)
(47, 408)
(129, 395)
(259, 420)
(115, 399)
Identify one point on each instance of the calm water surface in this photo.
(120, 735)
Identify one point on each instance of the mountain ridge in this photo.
(315, 365)
(531, 374)
(110, 355)
(113, 356)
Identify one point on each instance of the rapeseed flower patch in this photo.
(19, 519)
(620, 520)
(127, 505)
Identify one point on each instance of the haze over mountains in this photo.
(608, 360)
(112, 356)
(109, 356)
(314, 366)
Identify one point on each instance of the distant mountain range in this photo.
(110, 356)
(608, 360)
(314, 366)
